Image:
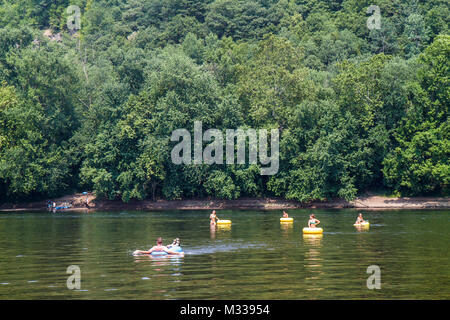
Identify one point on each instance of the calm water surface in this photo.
(257, 258)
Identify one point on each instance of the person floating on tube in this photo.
(313, 222)
(158, 248)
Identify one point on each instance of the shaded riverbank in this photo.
(89, 202)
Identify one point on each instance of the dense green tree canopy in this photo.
(357, 108)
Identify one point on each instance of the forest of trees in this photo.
(358, 109)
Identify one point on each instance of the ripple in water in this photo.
(228, 247)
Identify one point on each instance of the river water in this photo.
(256, 258)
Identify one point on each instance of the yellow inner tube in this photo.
(312, 237)
(307, 230)
(223, 221)
(364, 224)
(286, 219)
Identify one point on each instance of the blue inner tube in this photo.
(163, 253)
(60, 208)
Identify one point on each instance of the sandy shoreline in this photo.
(78, 201)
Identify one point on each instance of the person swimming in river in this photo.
(158, 248)
(175, 243)
(313, 222)
(213, 218)
(285, 215)
(359, 219)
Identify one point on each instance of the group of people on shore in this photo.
(53, 206)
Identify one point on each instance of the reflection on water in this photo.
(212, 231)
(313, 264)
(313, 239)
(159, 260)
(223, 227)
(287, 229)
(255, 258)
(362, 228)
(223, 232)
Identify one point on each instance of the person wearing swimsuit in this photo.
(313, 222)
(360, 219)
(285, 215)
(213, 218)
(158, 248)
(175, 243)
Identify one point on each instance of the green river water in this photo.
(257, 258)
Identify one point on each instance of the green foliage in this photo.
(420, 162)
(421, 165)
(239, 19)
(29, 162)
(357, 109)
(131, 159)
(273, 83)
(220, 185)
